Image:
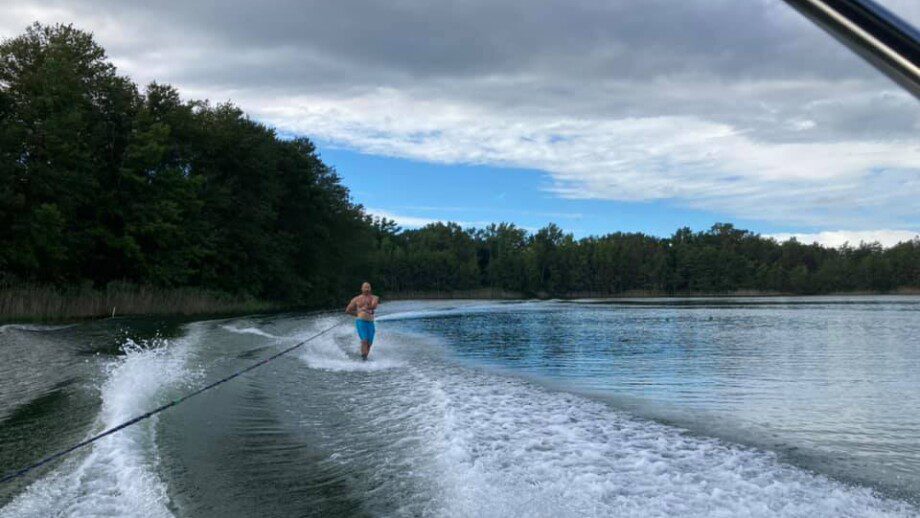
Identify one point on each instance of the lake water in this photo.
(688, 407)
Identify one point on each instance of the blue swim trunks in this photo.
(365, 329)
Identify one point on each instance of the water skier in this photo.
(363, 307)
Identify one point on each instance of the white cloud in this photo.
(749, 111)
(836, 238)
(694, 162)
(411, 221)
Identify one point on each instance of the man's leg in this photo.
(369, 335)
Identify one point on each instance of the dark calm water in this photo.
(761, 407)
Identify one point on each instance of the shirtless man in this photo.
(363, 307)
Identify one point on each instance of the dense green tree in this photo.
(101, 183)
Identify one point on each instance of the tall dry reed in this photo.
(45, 303)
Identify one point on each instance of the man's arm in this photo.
(352, 308)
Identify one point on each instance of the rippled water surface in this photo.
(763, 407)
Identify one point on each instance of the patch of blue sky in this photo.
(476, 195)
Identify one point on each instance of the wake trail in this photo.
(118, 476)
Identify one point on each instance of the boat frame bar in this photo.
(886, 41)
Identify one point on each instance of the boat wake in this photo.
(444, 439)
(414, 432)
(117, 476)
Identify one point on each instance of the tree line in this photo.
(103, 182)
(550, 262)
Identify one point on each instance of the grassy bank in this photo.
(44, 303)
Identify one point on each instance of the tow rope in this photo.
(12, 475)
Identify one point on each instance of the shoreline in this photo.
(42, 304)
(496, 294)
(54, 305)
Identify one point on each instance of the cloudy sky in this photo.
(598, 115)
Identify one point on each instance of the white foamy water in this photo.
(448, 440)
(250, 331)
(326, 353)
(451, 308)
(117, 475)
(511, 449)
